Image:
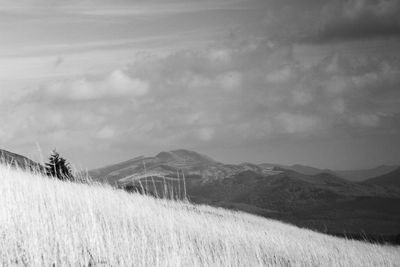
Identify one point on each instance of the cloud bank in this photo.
(268, 74)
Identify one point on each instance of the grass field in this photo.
(46, 222)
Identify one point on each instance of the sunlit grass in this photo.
(46, 222)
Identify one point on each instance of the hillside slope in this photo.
(362, 175)
(350, 175)
(390, 179)
(321, 202)
(45, 222)
(14, 159)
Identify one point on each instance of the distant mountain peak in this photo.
(184, 155)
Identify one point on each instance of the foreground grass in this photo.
(45, 222)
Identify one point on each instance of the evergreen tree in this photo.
(58, 167)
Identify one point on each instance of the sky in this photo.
(313, 82)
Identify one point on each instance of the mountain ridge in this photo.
(168, 163)
(390, 179)
(13, 159)
(181, 158)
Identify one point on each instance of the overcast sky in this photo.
(313, 82)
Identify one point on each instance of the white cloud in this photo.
(196, 81)
(338, 106)
(188, 100)
(280, 75)
(122, 84)
(301, 97)
(206, 134)
(116, 84)
(356, 8)
(106, 132)
(365, 120)
(297, 123)
(193, 118)
(230, 80)
(336, 85)
(220, 55)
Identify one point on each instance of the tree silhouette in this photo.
(58, 167)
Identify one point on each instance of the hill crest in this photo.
(390, 179)
(13, 159)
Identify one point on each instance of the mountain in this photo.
(351, 175)
(322, 201)
(196, 167)
(390, 179)
(13, 159)
(198, 170)
(308, 170)
(364, 174)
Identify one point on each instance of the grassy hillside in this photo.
(45, 222)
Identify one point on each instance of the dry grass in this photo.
(46, 222)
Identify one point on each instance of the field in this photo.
(46, 222)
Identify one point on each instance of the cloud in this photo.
(280, 75)
(301, 97)
(206, 134)
(220, 55)
(330, 94)
(230, 80)
(107, 132)
(357, 19)
(186, 98)
(116, 84)
(297, 123)
(243, 87)
(367, 120)
(325, 21)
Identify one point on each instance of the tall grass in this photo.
(46, 222)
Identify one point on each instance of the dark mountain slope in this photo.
(329, 205)
(351, 175)
(307, 169)
(364, 174)
(389, 179)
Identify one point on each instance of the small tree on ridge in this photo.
(58, 167)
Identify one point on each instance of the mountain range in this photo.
(204, 169)
(182, 157)
(302, 195)
(297, 194)
(352, 175)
